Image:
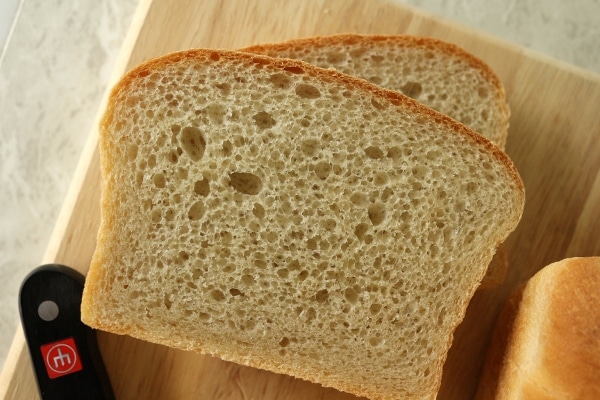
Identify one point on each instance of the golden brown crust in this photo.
(546, 343)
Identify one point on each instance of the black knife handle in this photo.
(63, 350)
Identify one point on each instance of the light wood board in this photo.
(554, 140)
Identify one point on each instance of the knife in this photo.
(64, 352)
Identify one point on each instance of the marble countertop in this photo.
(60, 55)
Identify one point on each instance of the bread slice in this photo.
(292, 218)
(438, 74)
(547, 341)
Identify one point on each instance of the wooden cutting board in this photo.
(554, 140)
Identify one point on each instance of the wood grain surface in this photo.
(554, 140)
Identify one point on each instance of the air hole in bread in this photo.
(167, 301)
(152, 161)
(307, 91)
(375, 308)
(196, 211)
(433, 154)
(361, 230)
(386, 194)
(284, 342)
(264, 120)
(193, 143)
(380, 178)
(305, 122)
(283, 272)
(485, 115)
(224, 87)
(258, 211)
(281, 81)
(216, 112)
(471, 187)
(302, 275)
(351, 295)
(309, 147)
(377, 105)
(173, 155)
(132, 152)
(483, 92)
(294, 70)
(395, 153)
(412, 89)
(377, 58)
(204, 317)
(329, 224)
(420, 172)
(245, 183)
(159, 180)
(202, 187)
(323, 169)
(248, 280)
(156, 216)
(227, 148)
(169, 215)
(375, 341)
(374, 152)
(217, 295)
(322, 296)
(260, 61)
(336, 57)
(377, 213)
(235, 292)
(312, 244)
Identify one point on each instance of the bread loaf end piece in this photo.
(547, 340)
(292, 218)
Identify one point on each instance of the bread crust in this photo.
(546, 344)
(99, 271)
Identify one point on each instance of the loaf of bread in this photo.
(438, 74)
(547, 340)
(293, 218)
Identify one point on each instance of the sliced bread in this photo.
(438, 74)
(547, 340)
(293, 218)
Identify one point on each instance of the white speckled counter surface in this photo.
(60, 54)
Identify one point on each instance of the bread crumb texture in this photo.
(286, 217)
(436, 73)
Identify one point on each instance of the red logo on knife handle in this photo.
(61, 358)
